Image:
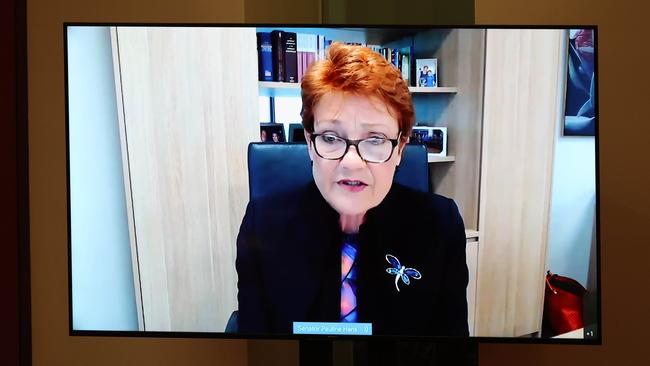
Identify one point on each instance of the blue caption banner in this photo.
(332, 328)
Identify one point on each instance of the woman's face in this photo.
(351, 185)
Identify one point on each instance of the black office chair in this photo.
(278, 167)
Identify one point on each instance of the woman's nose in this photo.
(352, 159)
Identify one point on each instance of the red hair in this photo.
(361, 71)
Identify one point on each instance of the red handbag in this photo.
(562, 304)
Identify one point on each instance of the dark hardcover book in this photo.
(277, 41)
(264, 56)
(290, 58)
(412, 69)
(328, 43)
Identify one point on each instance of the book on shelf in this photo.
(264, 56)
(301, 50)
(328, 43)
(400, 58)
(292, 54)
(285, 62)
(307, 52)
(312, 50)
(290, 58)
(405, 64)
(374, 47)
(321, 48)
(394, 57)
(277, 41)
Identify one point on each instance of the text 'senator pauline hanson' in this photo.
(352, 246)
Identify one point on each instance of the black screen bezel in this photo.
(596, 340)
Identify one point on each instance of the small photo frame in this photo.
(434, 138)
(296, 133)
(426, 72)
(272, 132)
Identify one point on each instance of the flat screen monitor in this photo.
(444, 183)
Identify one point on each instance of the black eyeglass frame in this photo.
(355, 143)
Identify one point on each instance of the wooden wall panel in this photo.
(521, 111)
(461, 65)
(302, 11)
(189, 98)
(471, 253)
(398, 12)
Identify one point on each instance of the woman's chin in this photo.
(351, 208)
(348, 207)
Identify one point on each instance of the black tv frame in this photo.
(452, 341)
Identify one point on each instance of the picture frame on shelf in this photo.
(272, 132)
(427, 72)
(434, 138)
(296, 133)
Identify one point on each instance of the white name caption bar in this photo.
(332, 328)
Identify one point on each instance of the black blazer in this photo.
(289, 264)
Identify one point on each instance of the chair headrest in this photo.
(279, 167)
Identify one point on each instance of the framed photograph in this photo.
(296, 133)
(427, 72)
(272, 132)
(434, 138)
(580, 107)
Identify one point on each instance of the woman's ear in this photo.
(309, 145)
(307, 138)
(401, 144)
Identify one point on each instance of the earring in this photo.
(311, 162)
(396, 168)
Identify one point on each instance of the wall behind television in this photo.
(624, 177)
(623, 174)
(51, 344)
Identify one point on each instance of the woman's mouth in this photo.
(352, 185)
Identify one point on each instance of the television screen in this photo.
(443, 184)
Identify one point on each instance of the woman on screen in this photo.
(353, 246)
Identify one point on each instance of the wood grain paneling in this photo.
(126, 175)
(461, 65)
(188, 118)
(520, 115)
(396, 12)
(302, 11)
(471, 253)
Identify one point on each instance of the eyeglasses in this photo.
(371, 150)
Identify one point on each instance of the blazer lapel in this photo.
(307, 282)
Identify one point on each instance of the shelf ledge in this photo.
(440, 159)
(412, 89)
(278, 85)
(439, 89)
(471, 234)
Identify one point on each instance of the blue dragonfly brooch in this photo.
(400, 271)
